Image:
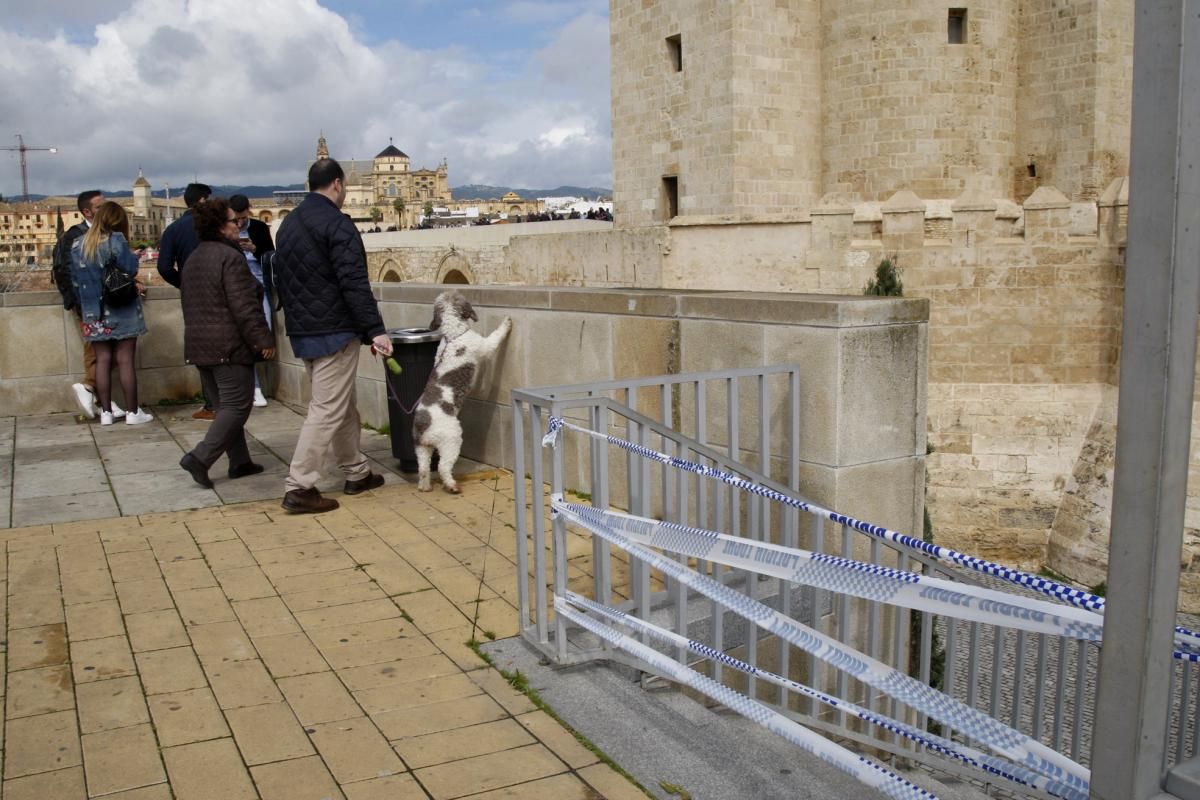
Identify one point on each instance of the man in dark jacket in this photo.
(321, 276)
(254, 237)
(87, 203)
(177, 243)
(180, 239)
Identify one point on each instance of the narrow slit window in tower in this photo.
(670, 196)
(675, 52)
(956, 26)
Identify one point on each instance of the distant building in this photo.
(29, 231)
(385, 180)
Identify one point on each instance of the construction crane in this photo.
(23, 148)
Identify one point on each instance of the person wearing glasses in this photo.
(255, 241)
(224, 330)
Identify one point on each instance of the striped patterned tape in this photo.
(846, 576)
(1012, 743)
(959, 752)
(865, 771)
(1187, 641)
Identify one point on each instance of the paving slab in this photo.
(228, 649)
(147, 492)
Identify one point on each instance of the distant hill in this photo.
(475, 191)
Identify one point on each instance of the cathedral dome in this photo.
(392, 152)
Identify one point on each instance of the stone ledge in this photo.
(822, 310)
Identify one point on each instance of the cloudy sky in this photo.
(510, 92)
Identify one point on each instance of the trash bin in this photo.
(415, 350)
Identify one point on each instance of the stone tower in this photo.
(390, 173)
(754, 111)
(141, 196)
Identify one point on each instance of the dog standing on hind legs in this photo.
(459, 357)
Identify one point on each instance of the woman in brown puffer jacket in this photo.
(223, 331)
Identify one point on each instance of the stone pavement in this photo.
(234, 651)
(59, 467)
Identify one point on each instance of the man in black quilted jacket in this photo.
(321, 277)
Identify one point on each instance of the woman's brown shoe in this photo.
(307, 501)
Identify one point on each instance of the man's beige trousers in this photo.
(332, 426)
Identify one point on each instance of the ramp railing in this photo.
(748, 590)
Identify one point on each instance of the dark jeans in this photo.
(208, 388)
(232, 396)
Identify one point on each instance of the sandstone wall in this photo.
(1073, 107)
(41, 353)
(668, 122)
(1023, 337)
(904, 109)
(862, 437)
(777, 109)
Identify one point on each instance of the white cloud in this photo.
(234, 92)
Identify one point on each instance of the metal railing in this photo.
(1041, 685)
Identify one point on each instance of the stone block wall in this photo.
(1024, 325)
(498, 254)
(41, 353)
(906, 109)
(783, 104)
(862, 398)
(1073, 112)
(668, 122)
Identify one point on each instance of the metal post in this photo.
(1158, 354)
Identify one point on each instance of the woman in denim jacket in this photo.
(112, 331)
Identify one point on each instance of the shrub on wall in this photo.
(886, 282)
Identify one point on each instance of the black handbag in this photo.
(120, 288)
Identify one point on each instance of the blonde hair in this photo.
(110, 218)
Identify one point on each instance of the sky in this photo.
(509, 92)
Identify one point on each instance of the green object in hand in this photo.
(393, 365)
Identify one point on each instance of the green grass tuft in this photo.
(1046, 572)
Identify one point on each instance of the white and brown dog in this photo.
(459, 358)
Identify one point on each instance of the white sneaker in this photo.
(85, 399)
(259, 400)
(106, 418)
(138, 417)
(118, 413)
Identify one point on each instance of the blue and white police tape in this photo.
(865, 771)
(846, 576)
(958, 715)
(1187, 641)
(960, 752)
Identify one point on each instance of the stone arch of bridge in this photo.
(455, 269)
(391, 271)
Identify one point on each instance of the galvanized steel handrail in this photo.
(1039, 684)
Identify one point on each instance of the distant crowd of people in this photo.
(550, 216)
(231, 276)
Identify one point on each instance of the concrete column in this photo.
(1154, 413)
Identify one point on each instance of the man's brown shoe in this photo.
(307, 501)
(205, 414)
(372, 481)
